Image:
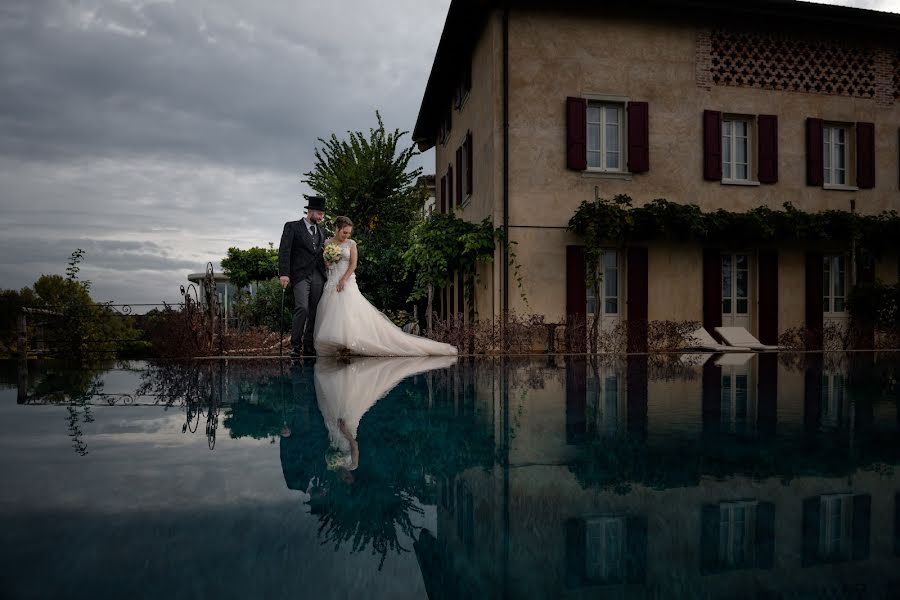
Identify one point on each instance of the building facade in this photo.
(536, 107)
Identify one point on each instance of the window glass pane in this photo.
(612, 160)
(740, 150)
(726, 306)
(593, 113)
(840, 135)
(839, 305)
(610, 282)
(612, 114)
(726, 276)
(740, 128)
(612, 138)
(839, 276)
(612, 306)
(726, 156)
(742, 283)
(593, 159)
(593, 137)
(741, 172)
(741, 306)
(726, 170)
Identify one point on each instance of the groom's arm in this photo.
(284, 252)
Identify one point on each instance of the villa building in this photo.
(534, 107)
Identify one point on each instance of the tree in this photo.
(366, 178)
(244, 267)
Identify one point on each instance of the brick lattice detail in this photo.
(884, 73)
(774, 62)
(896, 69)
(703, 60)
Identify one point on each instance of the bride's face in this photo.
(343, 234)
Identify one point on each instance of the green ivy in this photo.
(444, 244)
(617, 221)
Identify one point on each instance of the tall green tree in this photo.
(367, 178)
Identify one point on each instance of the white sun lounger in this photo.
(701, 340)
(698, 359)
(734, 359)
(738, 336)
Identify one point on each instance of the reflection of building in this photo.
(535, 107)
(676, 486)
(227, 294)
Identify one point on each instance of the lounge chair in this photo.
(697, 359)
(701, 340)
(738, 336)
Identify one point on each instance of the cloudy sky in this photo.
(154, 134)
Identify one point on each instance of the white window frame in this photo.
(604, 103)
(732, 296)
(829, 268)
(605, 283)
(834, 393)
(831, 151)
(729, 160)
(605, 542)
(835, 526)
(737, 533)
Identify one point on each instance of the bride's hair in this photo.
(341, 222)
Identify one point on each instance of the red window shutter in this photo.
(636, 269)
(814, 164)
(576, 297)
(865, 155)
(469, 162)
(712, 145)
(459, 175)
(712, 289)
(444, 194)
(767, 127)
(768, 296)
(450, 188)
(576, 133)
(638, 137)
(815, 302)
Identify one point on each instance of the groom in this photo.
(300, 265)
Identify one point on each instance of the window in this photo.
(737, 534)
(736, 149)
(735, 284)
(835, 520)
(609, 285)
(605, 548)
(832, 400)
(605, 136)
(835, 154)
(835, 284)
(603, 398)
(463, 86)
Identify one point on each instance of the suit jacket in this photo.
(297, 258)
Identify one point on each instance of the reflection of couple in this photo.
(331, 316)
(346, 391)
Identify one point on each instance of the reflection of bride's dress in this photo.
(346, 321)
(347, 390)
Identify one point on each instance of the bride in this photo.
(347, 323)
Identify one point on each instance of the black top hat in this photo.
(315, 202)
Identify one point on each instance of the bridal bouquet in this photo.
(332, 254)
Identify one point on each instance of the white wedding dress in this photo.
(347, 322)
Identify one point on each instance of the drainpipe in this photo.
(505, 282)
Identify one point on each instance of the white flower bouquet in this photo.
(332, 253)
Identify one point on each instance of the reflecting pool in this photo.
(694, 475)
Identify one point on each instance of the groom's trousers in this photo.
(307, 293)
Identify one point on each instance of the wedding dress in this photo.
(347, 322)
(346, 391)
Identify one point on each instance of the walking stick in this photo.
(281, 328)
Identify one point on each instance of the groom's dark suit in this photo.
(300, 259)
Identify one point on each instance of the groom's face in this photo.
(314, 215)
